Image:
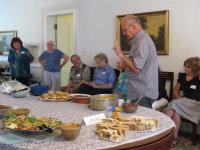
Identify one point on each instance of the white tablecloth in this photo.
(72, 112)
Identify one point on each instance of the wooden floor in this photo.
(182, 145)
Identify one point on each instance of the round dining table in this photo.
(159, 139)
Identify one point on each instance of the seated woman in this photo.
(187, 94)
(103, 79)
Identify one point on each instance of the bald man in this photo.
(50, 60)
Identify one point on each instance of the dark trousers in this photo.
(23, 80)
(86, 89)
(145, 102)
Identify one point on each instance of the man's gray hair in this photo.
(131, 19)
(101, 56)
(75, 55)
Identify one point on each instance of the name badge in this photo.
(93, 119)
(193, 87)
(103, 73)
(22, 52)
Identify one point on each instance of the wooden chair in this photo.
(194, 130)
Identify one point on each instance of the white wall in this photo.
(27, 18)
(97, 28)
(23, 17)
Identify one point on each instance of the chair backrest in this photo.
(167, 76)
(92, 73)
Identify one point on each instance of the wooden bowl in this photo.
(129, 107)
(3, 110)
(70, 130)
(81, 98)
(4, 107)
(21, 111)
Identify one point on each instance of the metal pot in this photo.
(103, 101)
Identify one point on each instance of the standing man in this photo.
(50, 60)
(79, 73)
(142, 64)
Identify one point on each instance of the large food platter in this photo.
(57, 96)
(29, 124)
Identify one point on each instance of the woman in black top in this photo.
(187, 95)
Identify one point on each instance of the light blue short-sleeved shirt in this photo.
(104, 75)
(52, 60)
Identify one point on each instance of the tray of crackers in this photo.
(111, 129)
(140, 123)
(57, 96)
(115, 130)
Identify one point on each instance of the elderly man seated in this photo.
(103, 78)
(79, 73)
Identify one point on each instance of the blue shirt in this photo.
(121, 86)
(20, 62)
(104, 75)
(52, 60)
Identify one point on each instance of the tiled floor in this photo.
(182, 145)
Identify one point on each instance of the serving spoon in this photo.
(138, 100)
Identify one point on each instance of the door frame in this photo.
(56, 12)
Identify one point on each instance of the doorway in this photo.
(61, 28)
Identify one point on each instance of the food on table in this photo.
(29, 123)
(129, 107)
(140, 123)
(115, 130)
(111, 129)
(4, 107)
(57, 96)
(50, 122)
(21, 111)
(81, 98)
(70, 126)
(70, 130)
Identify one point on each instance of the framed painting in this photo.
(156, 24)
(5, 39)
